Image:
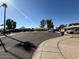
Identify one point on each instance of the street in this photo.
(16, 52)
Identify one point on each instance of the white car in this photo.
(75, 31)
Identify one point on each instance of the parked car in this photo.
(73, 31)
(76, 31)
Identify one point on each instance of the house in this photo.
(72, 29)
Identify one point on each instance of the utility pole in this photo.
(5, 6)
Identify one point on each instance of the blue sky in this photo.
(29, 13)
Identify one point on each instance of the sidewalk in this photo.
(65, 47)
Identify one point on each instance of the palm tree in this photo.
(42, 23)
(50, 24)
(10, 24)
(14, 25)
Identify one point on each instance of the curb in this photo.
(42, 49)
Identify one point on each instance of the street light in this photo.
(24, 44)
(5, 6)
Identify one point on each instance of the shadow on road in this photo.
(27, 46)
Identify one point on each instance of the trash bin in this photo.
(62, 33)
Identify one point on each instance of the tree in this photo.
(14, 25)
(62, 26)
(10, 24)
(49, 24)
(42, 23)
(73, 24)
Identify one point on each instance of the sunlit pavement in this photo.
(65, 47)
(18, 52)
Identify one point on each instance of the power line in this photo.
(21, 12)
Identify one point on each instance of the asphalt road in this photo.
(20, 52)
